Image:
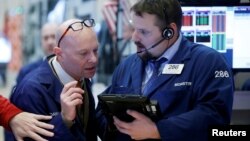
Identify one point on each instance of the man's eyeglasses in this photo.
(76, 26)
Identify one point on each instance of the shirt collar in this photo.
(61, 73)
(170, 52)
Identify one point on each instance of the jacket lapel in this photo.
(50, 81)
(137, 71)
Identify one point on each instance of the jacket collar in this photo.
(49, 80)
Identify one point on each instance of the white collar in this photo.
(61, 73)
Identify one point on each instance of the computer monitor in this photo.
(224, 28)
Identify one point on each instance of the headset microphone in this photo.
(154, 45)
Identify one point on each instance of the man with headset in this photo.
(192, 84)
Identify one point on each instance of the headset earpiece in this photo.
(168, 33)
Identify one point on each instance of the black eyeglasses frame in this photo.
(84, 22)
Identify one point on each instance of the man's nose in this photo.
(135, 36)
(93, 57)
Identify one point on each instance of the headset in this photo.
(167, 32)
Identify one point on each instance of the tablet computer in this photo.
(118, 104)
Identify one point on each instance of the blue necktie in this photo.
(155, 65)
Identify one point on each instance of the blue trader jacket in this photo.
(39, 92)
(27, 69)
(191, 102)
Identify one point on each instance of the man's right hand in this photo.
(71, 96)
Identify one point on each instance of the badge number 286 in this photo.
(221, 74)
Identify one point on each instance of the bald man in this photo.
(48, 42)
(52, 88)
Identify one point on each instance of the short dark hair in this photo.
(166, 11)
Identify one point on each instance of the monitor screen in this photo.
(224, 28)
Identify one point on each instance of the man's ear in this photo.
(174, 27)
(57, 51)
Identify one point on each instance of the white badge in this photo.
(172, 69)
